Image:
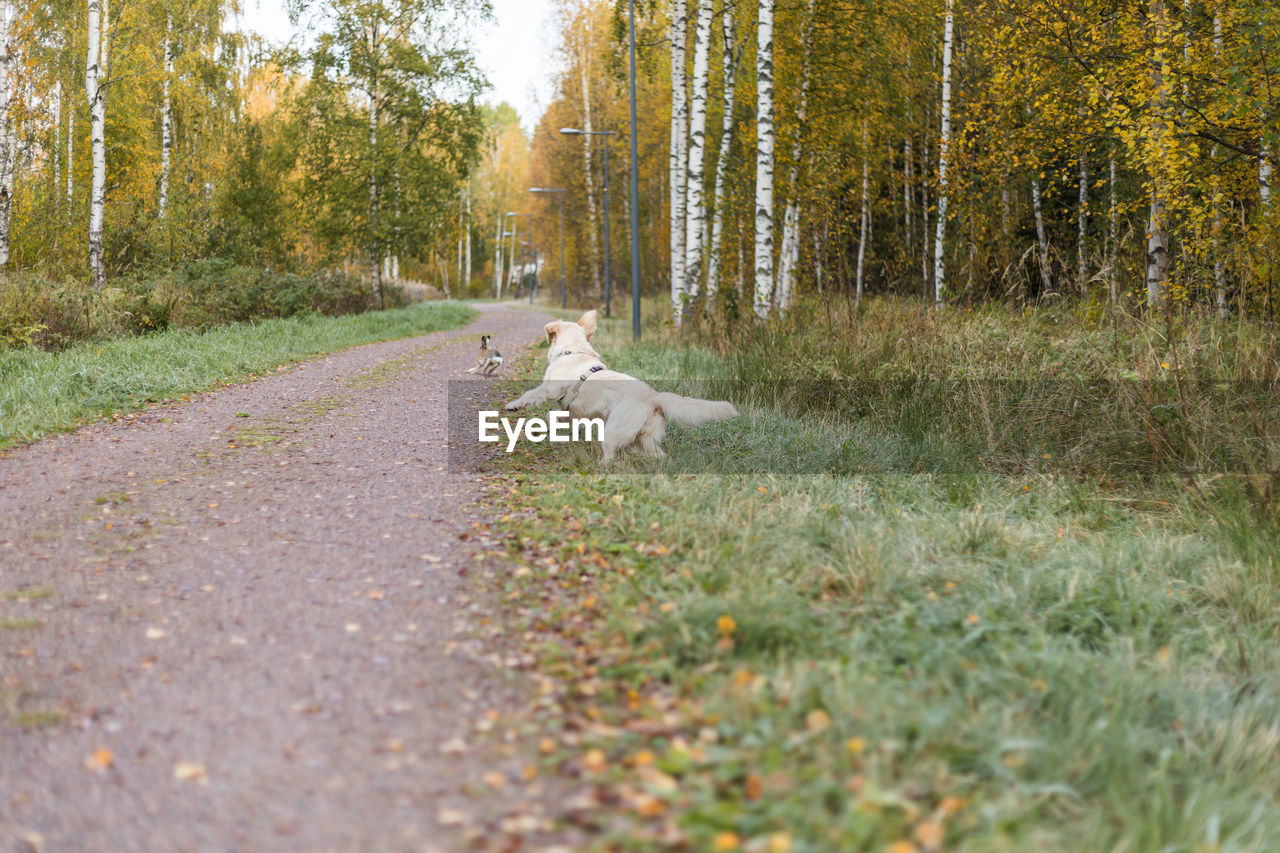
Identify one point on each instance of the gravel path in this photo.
(221, 632)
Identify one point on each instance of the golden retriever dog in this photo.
(633, 413)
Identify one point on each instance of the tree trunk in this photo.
(1083, 220)
(375, 244)
(71, 154)
(1042, 241)
(1157, 226)
(1113, 230)
(1219, 268)
(944, 152)
(679, 129)
(789, 257)
(588, 173)
(56, 154)
(924, 218)
(6, 133)
(466, 279)
(1264, 175)
(497, 259)
(95, 85)
(696, 213)
(166, 121)
(730, 60)
(764, 160)
(866, 216)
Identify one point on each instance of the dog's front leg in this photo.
(543, 393)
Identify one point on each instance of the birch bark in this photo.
(695, 206)
(726, 140)
(166, 120)
(6, 133)
(764, 160)
(866, 211)
(1157, 227)
(97, 60)
(679, 129)
(789, 257)
(944, 153)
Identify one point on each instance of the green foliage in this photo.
(1011, 659)
(43, 392)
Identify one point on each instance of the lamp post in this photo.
(560, 200)
(608, 285)
(635, 205)
(497, 260)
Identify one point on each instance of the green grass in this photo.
(1016, 656)
(44, 392)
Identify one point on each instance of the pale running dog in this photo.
(576, 379)
(489, 360)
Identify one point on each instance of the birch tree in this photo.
(678, 146)
(95, 86)
(588, 145)
(944, 153)
(730, 57)
(6, 132)
(166, 119)
(764, 160)
(1157, 226)
(789, 257)
(695, 207)
(865, 217)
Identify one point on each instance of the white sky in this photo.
(514, 49)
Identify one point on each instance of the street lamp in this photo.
(608, 286)
(560, 200)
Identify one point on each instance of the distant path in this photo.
(247, 617)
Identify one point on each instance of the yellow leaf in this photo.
(780, 842)
(725, 625)
(99, 759)
(929, 835)
(726, 841)
(594, 760)
(817, 720)
(855, 745)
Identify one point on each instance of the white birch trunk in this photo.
(924, 218)
(944, 153)
(1004, 203)
(497, 259)
(1219, 268)
(866, 216)
(6, 133)
(1083, 220)
(466, 279)
(679, 129)
(764, 160)
(1264, 175)
(1042, 241)
(908, 178)
(375, 244)
(789, 257)
(588, 173)
(166, 121)
(95, 85)
(695, 206)
(722, 160)
(1113, 230)
(71, 155)
(56, 154)
(1157, 226)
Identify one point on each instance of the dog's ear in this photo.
(588, 323)
(551, 329)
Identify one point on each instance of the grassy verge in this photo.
(929, 652)
(43, 392)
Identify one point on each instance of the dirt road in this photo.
(229, 624)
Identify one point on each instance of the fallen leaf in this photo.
(726, 841)
(352, 627)
(929, 835)
(453, 746)
(450, 817)
(817, 720)
(99, 759)
(154, 633)
(725, 625)
(189, 771)
(780, 842)
(594, 760)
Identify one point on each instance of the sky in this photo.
(514, 48)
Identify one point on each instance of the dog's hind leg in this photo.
(621, 428)
(652, 433)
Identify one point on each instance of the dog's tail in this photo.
(690, 411)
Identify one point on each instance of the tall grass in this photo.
(43, 392)
(924, 647)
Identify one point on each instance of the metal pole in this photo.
(560, 199)
(608, 266)
(635, 205)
